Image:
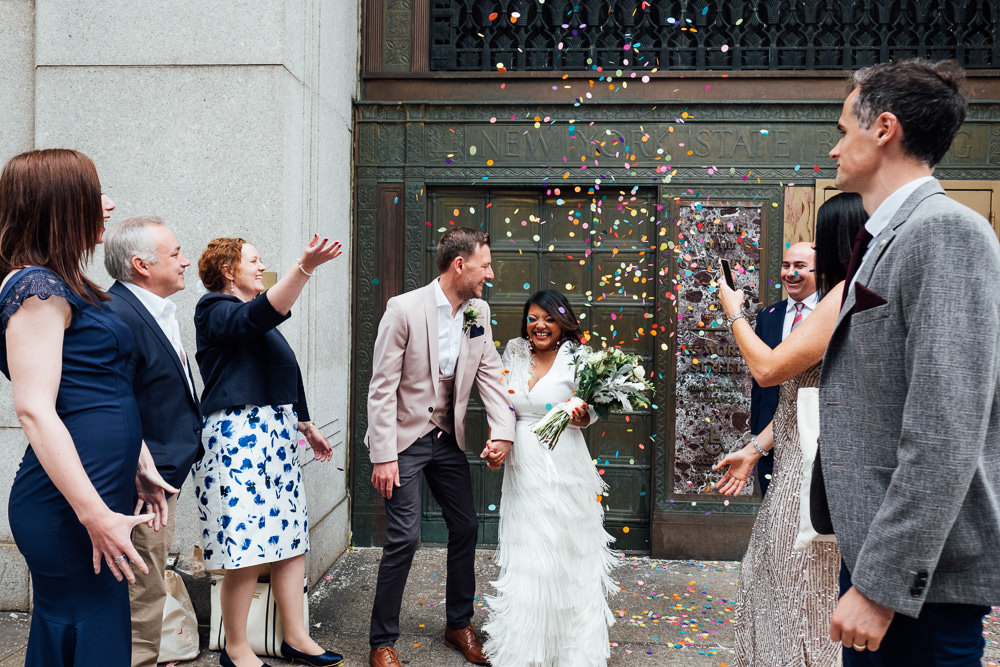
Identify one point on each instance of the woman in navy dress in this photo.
(248, 483)
(71, 502)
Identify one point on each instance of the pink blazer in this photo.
(405, 371)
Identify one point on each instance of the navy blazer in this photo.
(764, 400)
(171, 415)
(243, 358)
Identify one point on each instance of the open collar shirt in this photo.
(449, 332)
(164, 311)
(883, 215)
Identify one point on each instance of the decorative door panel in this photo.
(595, 249)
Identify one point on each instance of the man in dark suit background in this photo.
(774, 323)
(145, 259)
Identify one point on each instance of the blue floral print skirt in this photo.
(249, 488)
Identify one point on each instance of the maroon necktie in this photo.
(861, 242)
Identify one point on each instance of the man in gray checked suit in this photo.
(910, 389)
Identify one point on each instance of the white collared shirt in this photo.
(883, 215)
(449, 332)
(164, 311)
(808, 305)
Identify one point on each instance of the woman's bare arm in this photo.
(802, 349)
(34, 353)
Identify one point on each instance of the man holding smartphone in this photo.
(774, 323)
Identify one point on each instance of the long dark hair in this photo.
(556, 305)
(51, 215)
(837, 223)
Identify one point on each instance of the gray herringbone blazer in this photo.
(910, 411)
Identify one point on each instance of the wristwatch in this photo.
(731, 320)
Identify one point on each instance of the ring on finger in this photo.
(119, 559)
(860, 647)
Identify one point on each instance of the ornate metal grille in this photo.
(522, 35)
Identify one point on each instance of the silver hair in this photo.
(126, 240)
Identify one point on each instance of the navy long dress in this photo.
(79, 618)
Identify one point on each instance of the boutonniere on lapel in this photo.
(470, 315)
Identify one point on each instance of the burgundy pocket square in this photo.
(865, 299)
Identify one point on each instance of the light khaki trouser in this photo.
(149, 592)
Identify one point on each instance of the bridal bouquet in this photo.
(603, 378)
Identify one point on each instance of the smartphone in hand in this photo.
(728, 274)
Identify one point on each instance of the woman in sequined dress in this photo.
(785, 597)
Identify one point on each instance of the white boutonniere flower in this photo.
(470, 316)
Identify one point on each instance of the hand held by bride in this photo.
(495, 452)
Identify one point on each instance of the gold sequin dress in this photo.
(785, 597)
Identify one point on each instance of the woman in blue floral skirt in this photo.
(248, 483)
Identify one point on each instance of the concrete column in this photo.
(225, 119)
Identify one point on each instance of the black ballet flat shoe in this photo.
(328, 659)
(226, 661)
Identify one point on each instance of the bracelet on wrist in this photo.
(306, 426)
(756, 445)
(304, 272)
(732, 320)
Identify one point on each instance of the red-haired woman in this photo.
(71, 501)
(248, 484)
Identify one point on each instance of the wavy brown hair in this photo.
(220, 252)
(51, 215)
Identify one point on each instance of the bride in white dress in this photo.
(550, 609)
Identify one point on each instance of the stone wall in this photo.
(225, 119)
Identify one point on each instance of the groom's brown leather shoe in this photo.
(466, 641)
(383, 656)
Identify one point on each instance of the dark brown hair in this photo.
(928, 98)
(555, 304)
(51, 215)
(459, 242)
(219, 253)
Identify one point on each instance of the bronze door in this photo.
(599, 249)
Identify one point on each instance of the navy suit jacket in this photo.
(764, 400)
(171, 414)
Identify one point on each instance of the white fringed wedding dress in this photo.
(550, 609)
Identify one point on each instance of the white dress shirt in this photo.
(449, 332)
(164, 311)
(808, 305)
(883, 215)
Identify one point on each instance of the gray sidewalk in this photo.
(676, 613)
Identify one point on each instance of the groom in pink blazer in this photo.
(432, 344)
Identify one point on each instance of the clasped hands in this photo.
(495, 452)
